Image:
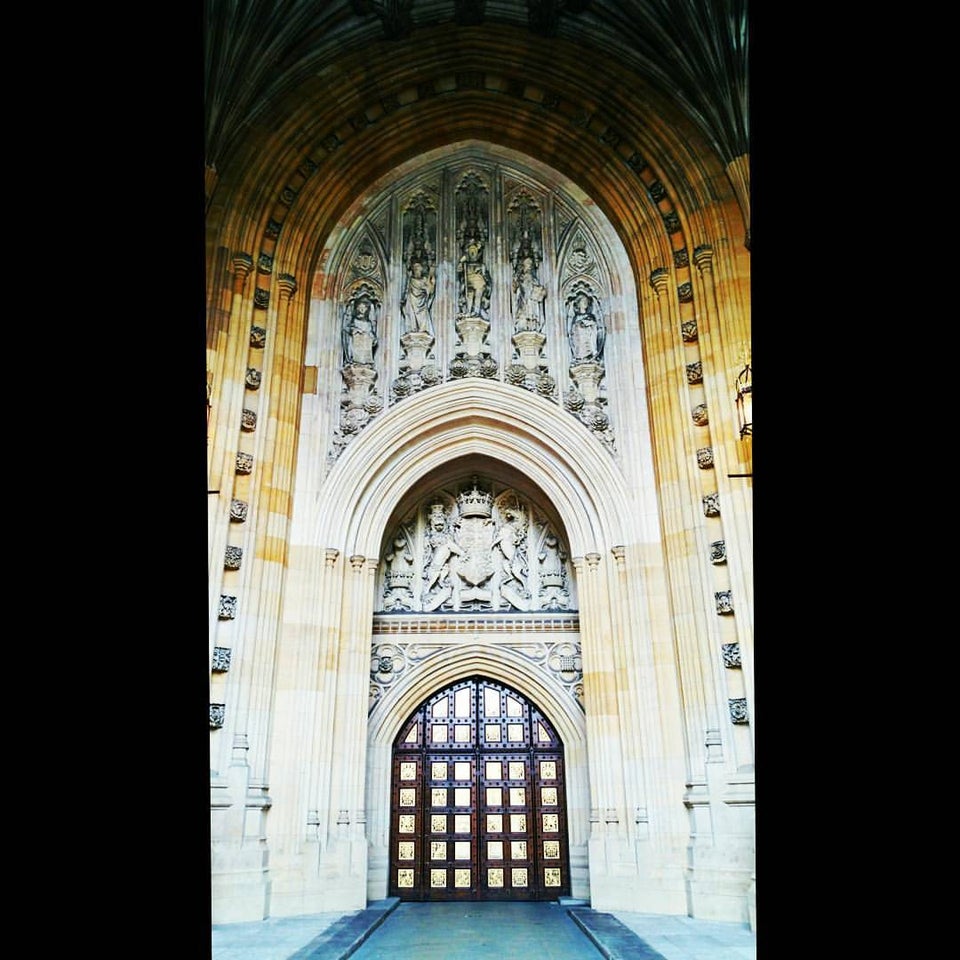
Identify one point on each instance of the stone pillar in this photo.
(223, 429)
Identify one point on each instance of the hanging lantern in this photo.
(745, 400)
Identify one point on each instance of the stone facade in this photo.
(470, 437)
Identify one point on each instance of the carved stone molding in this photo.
(681, 258)
(390, 661)
(228, 607)
(238, 511)
(694, 373)
(685, 292)
(703, 256)
(659, 279)
(244, 463)
(217, 715)
(287, 284)
(731, 655)
(699, 415)
(724, 599)
(265, 263)
(688, 330)
(221, 659)
(258, 337)
(261, 298)
(718, 552)
(738, 710)
(705, 458)
(711, 505)
(232, 558)
(248, 420)
(242, 266)
(253, 378)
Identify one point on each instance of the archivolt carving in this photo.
(474, 549)
(560, 661)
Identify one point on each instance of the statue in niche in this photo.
(441, 581)
(359, 331)
(585, 330)
(474, 279)
(417, 304)
(529, 296)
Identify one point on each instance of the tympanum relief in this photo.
(471, 271)
(478, 548)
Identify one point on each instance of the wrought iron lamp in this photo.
(744, 386)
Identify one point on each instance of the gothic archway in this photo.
(478, 799)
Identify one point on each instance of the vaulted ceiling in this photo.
(641, 103)
(692, 52)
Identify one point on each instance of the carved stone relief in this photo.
(474, 549)
(440, 275)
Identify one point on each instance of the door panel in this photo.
(478, 799)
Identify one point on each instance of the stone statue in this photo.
(359, 332)
(585, 330)
(418, 299)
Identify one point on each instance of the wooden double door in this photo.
(478, 799)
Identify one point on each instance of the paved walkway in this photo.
(568, 930)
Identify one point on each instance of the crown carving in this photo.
(475, 502)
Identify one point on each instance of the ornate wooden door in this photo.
(478, 799)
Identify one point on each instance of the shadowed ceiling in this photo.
(692, 53)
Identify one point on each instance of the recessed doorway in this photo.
(478, 806)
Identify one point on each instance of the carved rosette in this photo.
(232, 558)
(694, 373)
(244, 463)
(724, 599)
(688, 330)
(238, 511)
(711, 505)
(699, 415)
(705, 458)
(387, 663)
(718, 552)
(738, 710)
(228, 607)
(221, 659)
(731, 655)
(253, 378)
(248, 421)
(258, 337)
(217, 715)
